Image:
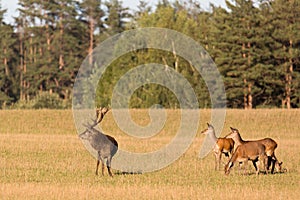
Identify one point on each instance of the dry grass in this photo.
(42, 158)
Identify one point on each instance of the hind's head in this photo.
(208, 130)
(234, 132)
(278, 167)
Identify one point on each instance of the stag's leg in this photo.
(102, 168)
(108, 163)
(100, 159)
(97, 167)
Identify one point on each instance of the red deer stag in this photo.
(105, 145)
(222, 145)
(270, 146)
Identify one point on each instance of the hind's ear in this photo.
(233, 129)
(209, 125)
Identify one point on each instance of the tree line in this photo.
(255, 45)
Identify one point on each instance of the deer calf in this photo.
(222, 145)
(105, 145)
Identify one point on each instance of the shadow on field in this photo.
(127, 173)
(283, 171)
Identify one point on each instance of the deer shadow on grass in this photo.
(127, 173)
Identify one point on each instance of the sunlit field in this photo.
(42, 158)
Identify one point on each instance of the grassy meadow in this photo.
(42, 158)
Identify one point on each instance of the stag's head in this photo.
(208, 130)
(89, 131)
(86, 135)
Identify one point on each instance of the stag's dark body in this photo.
(105, 145)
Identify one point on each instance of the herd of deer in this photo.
(262, 151)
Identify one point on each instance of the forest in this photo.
(255, 45)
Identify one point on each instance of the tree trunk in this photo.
(5, 62)
(22, 96)
(249, 84)
(288, 79)
(290, 72)
(245, 95)
(249, 96)
(61, 56)
(91, 47)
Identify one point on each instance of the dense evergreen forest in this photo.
(255, 45)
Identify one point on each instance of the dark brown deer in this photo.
(105, 145)
(253, 151)
(270, 146)
(222, 145)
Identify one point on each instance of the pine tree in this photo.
(92, 17)
(116, 17)
(286, 23)
(7, 71)
(52, 42)
(239, 52)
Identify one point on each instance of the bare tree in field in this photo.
(105, 145)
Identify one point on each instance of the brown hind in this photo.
(222, 145)
(253, 151)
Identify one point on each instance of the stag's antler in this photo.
(100, 112)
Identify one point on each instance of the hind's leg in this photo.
(263, 161)
(254, 164)
(274, 161)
